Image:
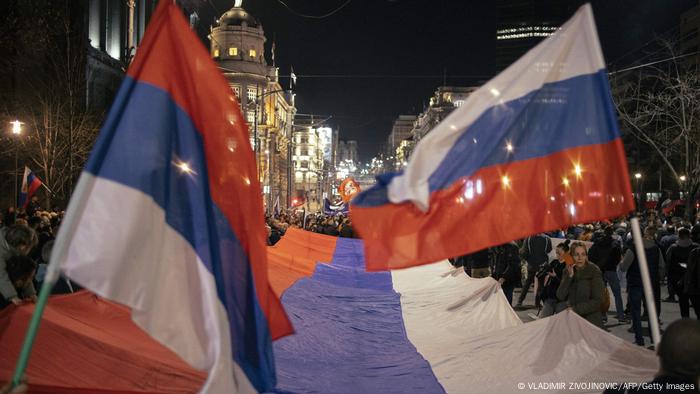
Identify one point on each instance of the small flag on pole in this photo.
(30, 184)
(167, 216)
(534, 149)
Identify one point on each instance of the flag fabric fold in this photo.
(534, 149)
(30, 184)
(167, 216)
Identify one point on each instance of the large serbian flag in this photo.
(534, 149)
(30, 184)
(167, 216)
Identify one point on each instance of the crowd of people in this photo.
(26, 239)
(595, 257)
(337, 225)
(588, 260)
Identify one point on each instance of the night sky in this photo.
(376, 59)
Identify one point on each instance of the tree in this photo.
(49, 92)
(660, 106)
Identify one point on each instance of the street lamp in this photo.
(638, 176)
(682, 178)
(16, 130)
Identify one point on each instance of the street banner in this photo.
(534, 149)
(167, 217)
(333, 209)
(348, 189)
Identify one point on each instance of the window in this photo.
(216, 52)
(236, 90)
(251, 53)
(250, 117)
(305, 164)
(304, 139)
(252, 93)
(233, 51)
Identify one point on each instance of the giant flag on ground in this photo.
(428, 329)
(167, 216)
(30, 184)
(535, 148)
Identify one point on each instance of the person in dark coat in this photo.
(635, 289)
(535, 251)
(606, 253)
(582, 286)
(479, 263)
(15, 240)
(676, 264)
(691, 281)
(20, 271)
(506, 269)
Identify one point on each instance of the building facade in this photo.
(108, 49)
(347, 151)
(522, 24)
(445, 100)
(400, 130)
(314, 153)
(237, 44)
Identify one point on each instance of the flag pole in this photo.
(26, 351)
(47, 189)
(646, 281)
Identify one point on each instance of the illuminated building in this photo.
(237, 44)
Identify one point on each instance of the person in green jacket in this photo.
(582, 286)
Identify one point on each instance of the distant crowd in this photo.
(337, 225)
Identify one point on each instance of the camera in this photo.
(544, 270)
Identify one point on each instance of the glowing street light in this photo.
(638, 177)
(682, 178)
(16, 130)
(16, 127)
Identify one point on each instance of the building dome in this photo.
(236, 16)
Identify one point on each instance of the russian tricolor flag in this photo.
(534, 149)
(167, 216)
(30, 184)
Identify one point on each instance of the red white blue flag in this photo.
(167, 216)
(30, 184)
(534, 149)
